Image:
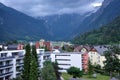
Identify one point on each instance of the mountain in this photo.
(108, 11)
(63, 25)
(107, 34)
(15, 25)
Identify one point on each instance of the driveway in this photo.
(76, 79)
(113, 78)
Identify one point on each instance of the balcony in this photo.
(19, 64)
(6, 74)
(6, 66)
(6, 58)
(20, 57)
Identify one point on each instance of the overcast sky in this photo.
(49, 7)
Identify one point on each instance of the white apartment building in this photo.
(11, 63)
(43, 56)
(67, 60)
(64, 60)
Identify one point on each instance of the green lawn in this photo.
(99, 77)
(66, 76)
(85, 77)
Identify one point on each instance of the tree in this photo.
(75, 72)
(35, 56)
(33, 69)
(112, 63)
(34, 53)
(63, 48)
(90, 68)
(56, 68)
(26, 66)
(48, 71)
(18, 78)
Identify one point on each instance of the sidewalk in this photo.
(113, 78)
(62, 78)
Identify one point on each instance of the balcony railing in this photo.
(6, 74)
(8, 65)
(19, 64)
(6, 58)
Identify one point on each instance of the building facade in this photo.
(67, 60)
(11, 63)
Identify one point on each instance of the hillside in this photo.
(108, 11)
(63, 25)
(15, 25)
(104, 35)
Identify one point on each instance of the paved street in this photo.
(77, 79)
(114, 78)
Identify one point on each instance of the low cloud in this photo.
(50, 7)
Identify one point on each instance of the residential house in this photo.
(96, 55)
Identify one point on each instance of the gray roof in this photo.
(12, 47)
(101, 49)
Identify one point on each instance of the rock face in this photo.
(108, 11)
(15, 25)
(63, 25)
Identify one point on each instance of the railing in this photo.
(19, 64)
(5, 58)
(8, 65)
(6, 74)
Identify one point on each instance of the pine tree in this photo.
(56, 68)
(26, 66)
(34, 53)
(33, 69)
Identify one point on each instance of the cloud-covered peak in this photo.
(50, 7)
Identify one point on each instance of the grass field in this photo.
(85, 77)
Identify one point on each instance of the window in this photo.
(91, 56)
(7, 70)
(64, 64)
(63, 59)
(15, 54)
(18, 61)
(7, 62)
(3, 54)
(62, 55)
(1, 63)
(63, 69)
(91, 59)
(1, 71)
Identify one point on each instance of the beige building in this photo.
(96, 58)
(101, 62)
(96, 55)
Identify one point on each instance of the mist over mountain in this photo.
(109, 10)
(67, 26)
(15, 25)
(63, 25)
